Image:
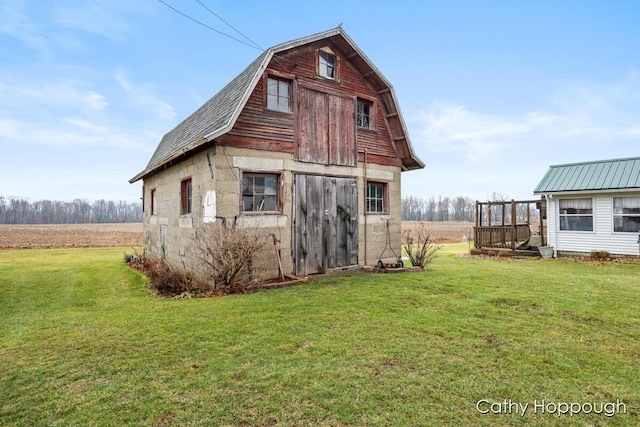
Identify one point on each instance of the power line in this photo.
(254, 45)
(234, 28)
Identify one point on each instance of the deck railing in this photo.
(500, 236)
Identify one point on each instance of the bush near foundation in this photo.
(228, 254)
(419, 246)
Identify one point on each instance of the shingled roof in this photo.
(218, 115)
(616, 174)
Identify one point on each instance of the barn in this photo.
(308, 143)
(593, 206)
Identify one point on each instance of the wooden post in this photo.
(489, 212)
(478, 213)
(514, 232)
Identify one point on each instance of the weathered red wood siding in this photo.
(261, 128)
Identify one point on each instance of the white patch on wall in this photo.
(210, 207)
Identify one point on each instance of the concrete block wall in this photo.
(219, 196)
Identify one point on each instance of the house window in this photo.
(259, 192)
(376, 197)
(363, 114)
(154, 204)
(626, 214)
(327, 65)
(278, 95)
(576, 214)
(185, 196)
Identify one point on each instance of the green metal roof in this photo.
(617, 174)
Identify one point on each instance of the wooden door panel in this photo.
(325, 223)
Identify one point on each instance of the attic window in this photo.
(363, 113)
(278, 95)
(327, 64)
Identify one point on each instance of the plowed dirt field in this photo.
(70, 235)
(111, 235)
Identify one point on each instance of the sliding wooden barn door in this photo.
(325, 223)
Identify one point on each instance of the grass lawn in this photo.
(84, 342)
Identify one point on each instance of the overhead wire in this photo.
(228, 24)
(254, 45)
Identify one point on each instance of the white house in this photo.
(593, 206)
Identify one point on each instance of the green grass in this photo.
(84, 342)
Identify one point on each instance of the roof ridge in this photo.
(594, 162)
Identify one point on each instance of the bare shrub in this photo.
(165, 280)
(475, 251)
(228, 254)
(600, 255)
(419, 246)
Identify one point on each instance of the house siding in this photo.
(602, 238)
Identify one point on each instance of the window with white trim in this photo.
(626, 214)
(327, 64)
(576, 214)
(260, 192)
(278, 94)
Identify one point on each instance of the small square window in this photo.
(259, 192)
(278, 95)
(185, 196)
(376, 197)
(363, 113)
(327, 65)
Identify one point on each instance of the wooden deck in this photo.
(501, 236)
(505, 225)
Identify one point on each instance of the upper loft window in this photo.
(364, 109)
(327, 64)
(626, 214)
(278, 94)
(576, 214)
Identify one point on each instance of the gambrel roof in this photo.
(616, 174)
(219, 114)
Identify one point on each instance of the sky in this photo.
(492, 92)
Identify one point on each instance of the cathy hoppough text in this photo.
(543, 407)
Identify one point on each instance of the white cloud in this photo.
(142, 95)
(15, 23)
(581, 113)
(96, 17)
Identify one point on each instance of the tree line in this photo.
(17, 210)
(438, 209)
(463, 209)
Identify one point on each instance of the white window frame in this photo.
(568, 221)
(276, 101)
(377, 199)
(324, 66)
(632, 202)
